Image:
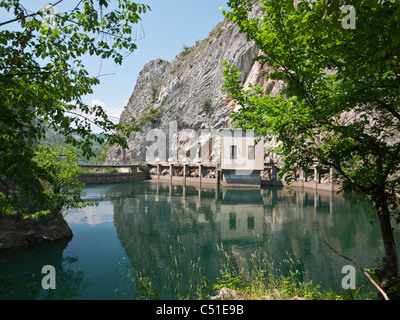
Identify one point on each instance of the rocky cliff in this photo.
(188, 90)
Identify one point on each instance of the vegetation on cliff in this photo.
(186, 90)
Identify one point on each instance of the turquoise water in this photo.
(146, 226)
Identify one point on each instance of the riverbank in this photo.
(16, 231)
(256, 278)
(135, 228)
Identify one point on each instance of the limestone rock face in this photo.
(188, 91)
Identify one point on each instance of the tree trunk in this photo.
(389, 270)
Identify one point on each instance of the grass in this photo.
(179, 280)
(259, 278)
(255, 278)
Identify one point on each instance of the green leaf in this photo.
(43, 80)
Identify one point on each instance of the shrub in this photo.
(151, 116)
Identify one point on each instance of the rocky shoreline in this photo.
(15, 231)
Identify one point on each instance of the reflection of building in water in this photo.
(241, 214)
(241, 221)
(149, 218)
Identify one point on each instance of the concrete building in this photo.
(242, 158)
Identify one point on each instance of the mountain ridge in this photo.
(188, 90)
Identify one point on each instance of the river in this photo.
(157, 231)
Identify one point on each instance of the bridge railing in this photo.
(111, 164)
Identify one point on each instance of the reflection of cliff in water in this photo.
(150, 217)
(301, 221)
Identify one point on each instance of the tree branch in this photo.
(390, 165)
(336, 164)
(10, 75)
(27, 16)
(362, 269)
(19, 18)
(389, 108)
(100, 31)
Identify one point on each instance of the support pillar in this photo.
(171, 171)
(274, 173)
(302, 177)
(148, 171)
(200, 172)
(316, 175)
(332, 171)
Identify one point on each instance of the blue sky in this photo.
(168, 27)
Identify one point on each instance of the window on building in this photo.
(250, 222)
(233, 152)
(232, 220)
(251, 152)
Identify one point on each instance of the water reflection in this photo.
(151, 216)
(148, 225)
(20, 272)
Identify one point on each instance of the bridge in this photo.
(133, 172)
(208, 173)
(113, 165)
(128, 172)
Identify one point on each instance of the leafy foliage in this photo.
(340, 105)
(61, 185)
(57, 185)
(53, 139)
(43, 81)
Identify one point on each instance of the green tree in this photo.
(341, 101)
(43, 82)
(57, 185)
(61, 187)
